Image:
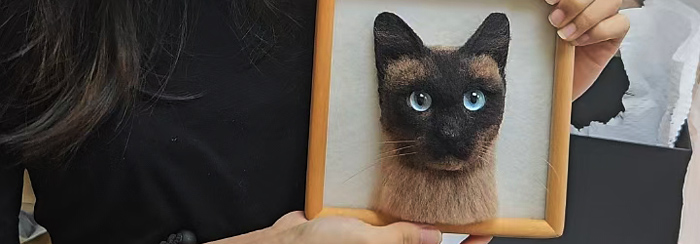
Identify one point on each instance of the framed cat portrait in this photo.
(453, 113)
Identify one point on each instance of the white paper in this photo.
(660, 55)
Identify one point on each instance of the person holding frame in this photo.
(73, 78)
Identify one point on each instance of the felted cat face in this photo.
(447, 102)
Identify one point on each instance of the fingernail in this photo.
(557, 17)
(582, 39)
(428, 236)
(567, 31)
(552, 2)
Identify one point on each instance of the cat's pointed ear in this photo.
(393, 39)
(492, 38)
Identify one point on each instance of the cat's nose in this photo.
(449, 128)
(449, 132)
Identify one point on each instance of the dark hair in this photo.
(74, 62)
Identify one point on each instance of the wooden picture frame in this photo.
(553, 223)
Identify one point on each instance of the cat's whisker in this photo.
(551, 167)
(376, 163)
(545, 182)
(362, 170)
(395, 142)
(396, 155)
(539, 183)
(397, 149)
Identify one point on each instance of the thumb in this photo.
(406, 233)
(290, 220)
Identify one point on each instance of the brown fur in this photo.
(405, 70)
(437, 164)
(451, 191)
(454, 197)
(444, 48)
(484, 67)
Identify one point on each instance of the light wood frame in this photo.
(553, 223)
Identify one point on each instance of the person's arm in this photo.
(10, 200)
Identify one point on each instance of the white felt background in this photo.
(354, 130)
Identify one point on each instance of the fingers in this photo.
(282, 224)
(290, 220)
(406, 233)
(595, 13)
(567, 10)
(477, 240)
(613, 28)
(585, 22)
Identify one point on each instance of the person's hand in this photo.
(477, 240)
(294, 228)
(596, 28)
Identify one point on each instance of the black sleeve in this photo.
(10, 201)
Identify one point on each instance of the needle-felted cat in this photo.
(441, 110)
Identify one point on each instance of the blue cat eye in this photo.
(474, 100)
(420, 101)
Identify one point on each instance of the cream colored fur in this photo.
(439, 196)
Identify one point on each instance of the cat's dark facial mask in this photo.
(447, 102)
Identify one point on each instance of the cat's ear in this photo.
(492, 38)
(393, 39)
